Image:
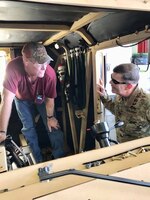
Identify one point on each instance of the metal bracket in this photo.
(46, 176)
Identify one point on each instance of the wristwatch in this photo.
(105, 97)
(49, 117)
(2, 131)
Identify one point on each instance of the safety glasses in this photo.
(117, 82)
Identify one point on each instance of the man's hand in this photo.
(2, 136)
(52, 123)
(5, 111)
(100, 88)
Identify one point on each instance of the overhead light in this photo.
(56, 46)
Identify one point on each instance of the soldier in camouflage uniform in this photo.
(131, 104)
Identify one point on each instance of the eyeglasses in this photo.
(117, 82)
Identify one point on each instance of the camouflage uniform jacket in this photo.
(134, 111)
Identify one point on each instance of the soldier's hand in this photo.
(100, 88)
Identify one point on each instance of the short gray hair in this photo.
(129, 72)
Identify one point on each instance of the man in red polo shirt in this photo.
(31, 82)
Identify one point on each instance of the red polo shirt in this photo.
(16, 81)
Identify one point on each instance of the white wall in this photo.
(116, 56)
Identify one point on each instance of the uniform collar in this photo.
(129, 100)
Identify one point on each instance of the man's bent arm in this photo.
(5, 111)
(50, 106)
(51, 120)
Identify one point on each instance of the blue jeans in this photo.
(27, 111)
